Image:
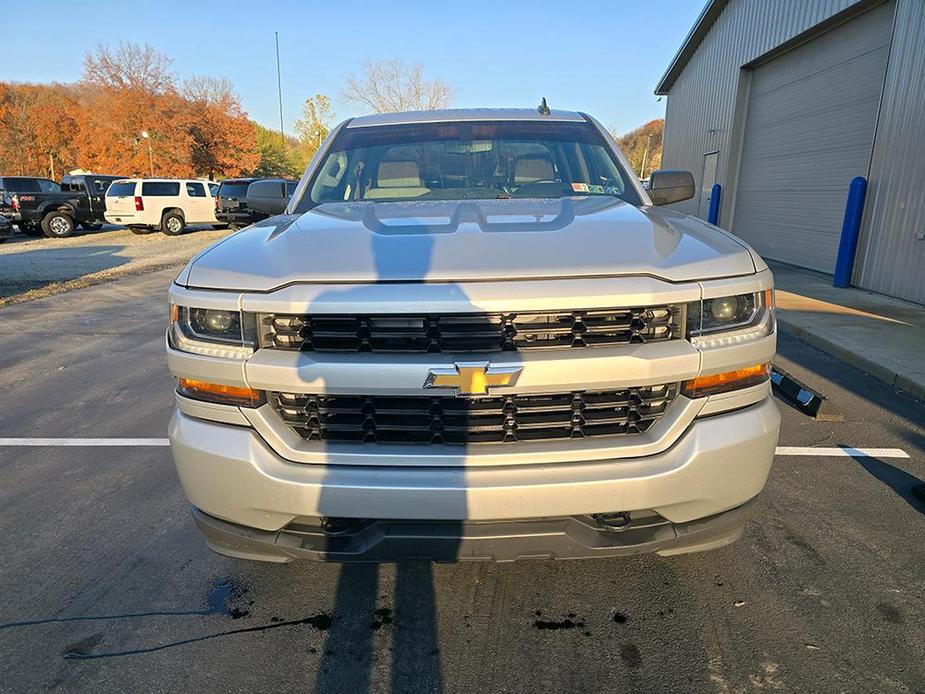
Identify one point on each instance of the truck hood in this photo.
(460, 241)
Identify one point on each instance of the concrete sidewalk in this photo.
(884, 337)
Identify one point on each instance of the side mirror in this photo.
(269, 196)
(666, 187)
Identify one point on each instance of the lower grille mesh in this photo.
(493, 419)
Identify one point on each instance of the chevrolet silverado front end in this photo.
(473, 336)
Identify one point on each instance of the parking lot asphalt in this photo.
(33, 267)
(107, 585)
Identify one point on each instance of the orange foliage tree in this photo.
(97, 124)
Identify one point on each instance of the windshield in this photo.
(468, 161)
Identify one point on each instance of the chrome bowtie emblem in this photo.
(473, 378)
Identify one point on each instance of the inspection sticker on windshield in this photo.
(591, 188)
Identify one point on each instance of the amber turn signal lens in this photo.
(726, 381)
(218, 393)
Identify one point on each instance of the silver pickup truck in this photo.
(473, 335)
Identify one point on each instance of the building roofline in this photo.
(703, 24)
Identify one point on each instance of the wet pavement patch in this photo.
(381, 617)
(569, 622)
(321, 622)
(222, 595)
(889, 613)
(630, 655)
(84, 646)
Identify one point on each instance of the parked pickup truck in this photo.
(473, 335)
(40, 205)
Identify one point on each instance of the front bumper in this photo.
(573, 537)
(230, 474)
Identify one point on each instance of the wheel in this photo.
(221, 226)
(90, 227)
(141, 231)
(173, 224)
(58, 225)
(31, 229)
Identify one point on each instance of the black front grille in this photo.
(469, 332)
(457, 420)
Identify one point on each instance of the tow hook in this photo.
(613, 521)
(340, 526)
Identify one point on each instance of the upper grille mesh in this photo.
(469, 332)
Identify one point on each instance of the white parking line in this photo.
(834, 452)
(84, 442)
(843, 452)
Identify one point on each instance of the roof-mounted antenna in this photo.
(543, 108)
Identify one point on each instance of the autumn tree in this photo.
(635, 143)
(223, 137)
(129, 67)
(37, 123)
(314, 125)
(16, 106)
(391, 85)
(99, 124)
(131, 90)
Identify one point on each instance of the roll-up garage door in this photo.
(809, 130)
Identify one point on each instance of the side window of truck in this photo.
(20, 185)
(47, 186)
(195, 190)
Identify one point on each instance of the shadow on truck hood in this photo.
(459, 241)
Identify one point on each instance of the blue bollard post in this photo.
(850, 230)
(713, 214)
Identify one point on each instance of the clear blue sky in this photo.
(601, 57)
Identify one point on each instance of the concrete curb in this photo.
(875, 369)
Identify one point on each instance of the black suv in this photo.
(231, 201)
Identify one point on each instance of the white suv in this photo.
(145, 205)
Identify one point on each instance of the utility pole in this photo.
(645, 157)
(51, 162)
(279, 89)
(146, 136)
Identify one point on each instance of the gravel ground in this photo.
(31, 268)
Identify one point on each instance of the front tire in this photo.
(173, 224)
(58, 225)
(142, 231)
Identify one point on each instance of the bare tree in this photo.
(210, 90)
(129, 66)
(391, 85)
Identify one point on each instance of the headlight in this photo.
(212, 331)
(729, 320)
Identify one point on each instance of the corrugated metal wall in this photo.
(809, 129)
(891, 256)
(701, 103)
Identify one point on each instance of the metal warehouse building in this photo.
(783, 102)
